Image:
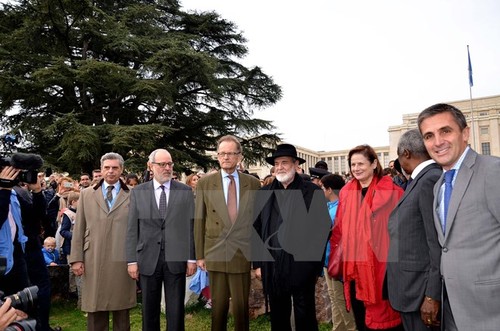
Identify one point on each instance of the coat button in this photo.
(445, 249)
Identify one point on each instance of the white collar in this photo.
(421, 167)
(156, 184)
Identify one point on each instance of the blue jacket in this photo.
(332, 209)
(9, 198)
(50, 256)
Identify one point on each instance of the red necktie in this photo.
(232, 207)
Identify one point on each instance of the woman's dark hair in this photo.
(131, 176)
(368, 152)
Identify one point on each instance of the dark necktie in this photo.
(163, 202)
(232, 207)
(448, 188)
(409, 182)
(109, 195)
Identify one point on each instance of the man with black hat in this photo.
(317, 174)
(293, 223)
(320, 169)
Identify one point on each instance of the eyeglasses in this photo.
(163, 164)
(230, 154)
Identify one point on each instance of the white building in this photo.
(484, 121)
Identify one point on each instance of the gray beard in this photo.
(286, 178)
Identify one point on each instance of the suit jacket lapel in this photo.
(172, 197)
(217, 196)
(99, 198)
(151, 199)
(414, 182)
(437, 219)
(409, 189)
(461, 183)
(120, 199)
(244, 185)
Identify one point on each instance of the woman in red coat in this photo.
(361, 232)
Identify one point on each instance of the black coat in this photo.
(294, 225)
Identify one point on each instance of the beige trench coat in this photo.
(99, 241)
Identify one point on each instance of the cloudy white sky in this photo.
(349, 69)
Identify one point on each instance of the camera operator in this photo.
(9, 314)
(28, 205)
(12, 237)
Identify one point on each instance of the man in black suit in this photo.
(413, 278)
(160, 243)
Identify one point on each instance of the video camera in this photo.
(27, 163)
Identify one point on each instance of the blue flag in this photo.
(471, 83)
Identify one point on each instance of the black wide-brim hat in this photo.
(284, 150)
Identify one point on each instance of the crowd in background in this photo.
(393, 244)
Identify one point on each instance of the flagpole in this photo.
(471, 83)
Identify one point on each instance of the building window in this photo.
(329, 158)
(386, 159)
(483, 113)
(485, 149)
(484, 130)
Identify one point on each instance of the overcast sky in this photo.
(349, 69)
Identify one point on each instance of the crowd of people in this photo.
(411, 247)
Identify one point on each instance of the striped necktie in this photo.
(109, 195)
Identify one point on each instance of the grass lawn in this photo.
(65, 314)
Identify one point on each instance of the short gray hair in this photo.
(413, 142)
(112, 156)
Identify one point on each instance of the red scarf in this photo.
(365, 237)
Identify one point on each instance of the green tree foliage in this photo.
(81, 78)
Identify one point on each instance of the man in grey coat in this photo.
(413, 277)
(467, 219)
(98, 249)
(160, 243)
